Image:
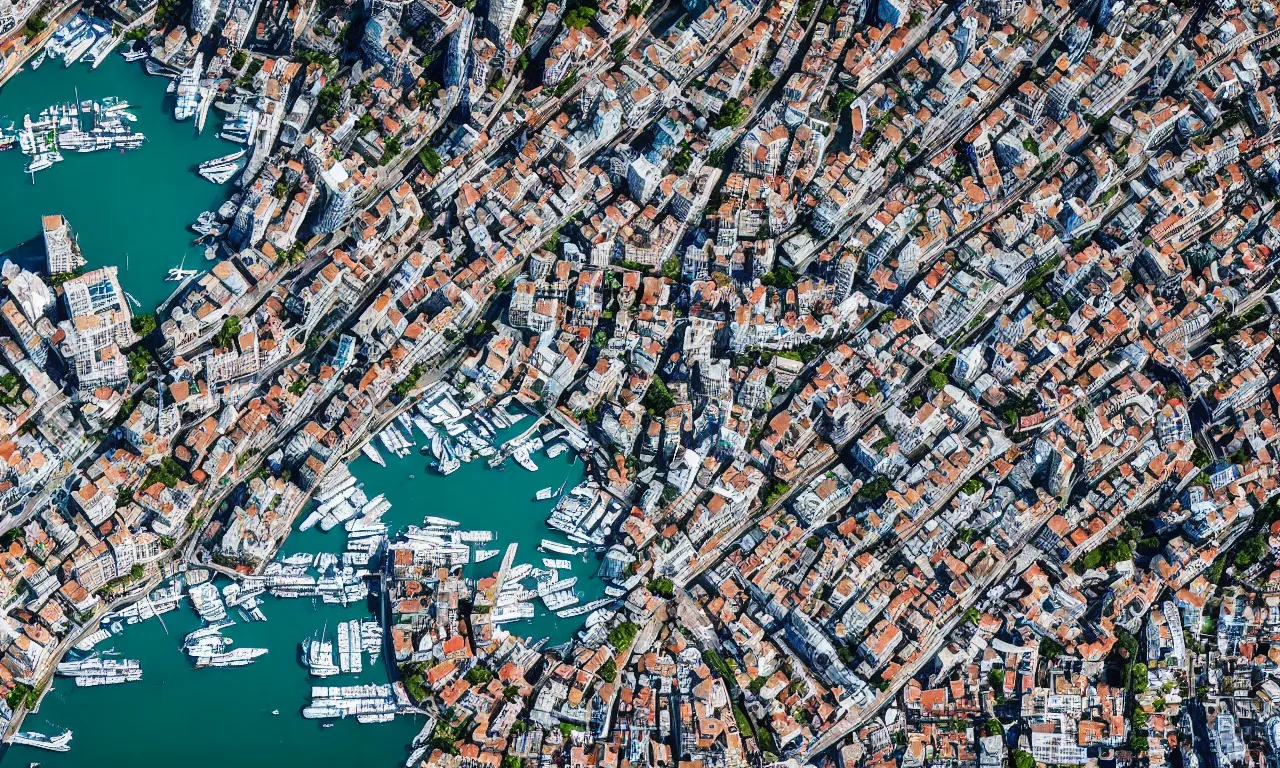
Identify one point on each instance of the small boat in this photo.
(556, 547)
(326, 725)
(372, 453)
(178, 274)
(545, 493)
(275, 711)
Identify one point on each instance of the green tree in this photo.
(229, 332)
(579, 18)
(1139, 679)
(621, 636)
(391, 149)
(139, 363)
(1251, 550)
(731, 113)
(1049, 648)
(608, 671)
(658, 399)
(844, 97)
(874, 489)
(662, 586)
(168, 473)
(431, 160)
(143, 325)
(781, 278)
(1023, 759)
(681, 162)
(478, 675)
(328, 100)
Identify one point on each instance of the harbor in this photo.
(479, 499)
(232, 700)
(313, 634)
(110, 198)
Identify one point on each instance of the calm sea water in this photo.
(212, 718)
(133, 207)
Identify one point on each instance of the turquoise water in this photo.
(478, 498)
(141, 203)
(218, 717)
(178, 715)
(138, 204)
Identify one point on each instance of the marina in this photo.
(302, 596)
(107, 220)
(77, 126)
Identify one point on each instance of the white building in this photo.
(60, 252)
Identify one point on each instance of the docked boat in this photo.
(87, 643)
(548, 545)
(560, 585)
(187, 90)
(372, 453)
(99, 50)
(522, 457)
(209, 631)
(563, 565)
(207, 602)
(317, 655)
(38, 60)
(557, 601)
(79, 46)
(482, 555)
(240, 657)
(43, 161)
(221, 174)
(59, 743)
(90, 681)
(220, 170)
(178, 273)
(515, 612)
(206, 223)
(206, 646)
(371, 639)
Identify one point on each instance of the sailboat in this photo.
(178, 274)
